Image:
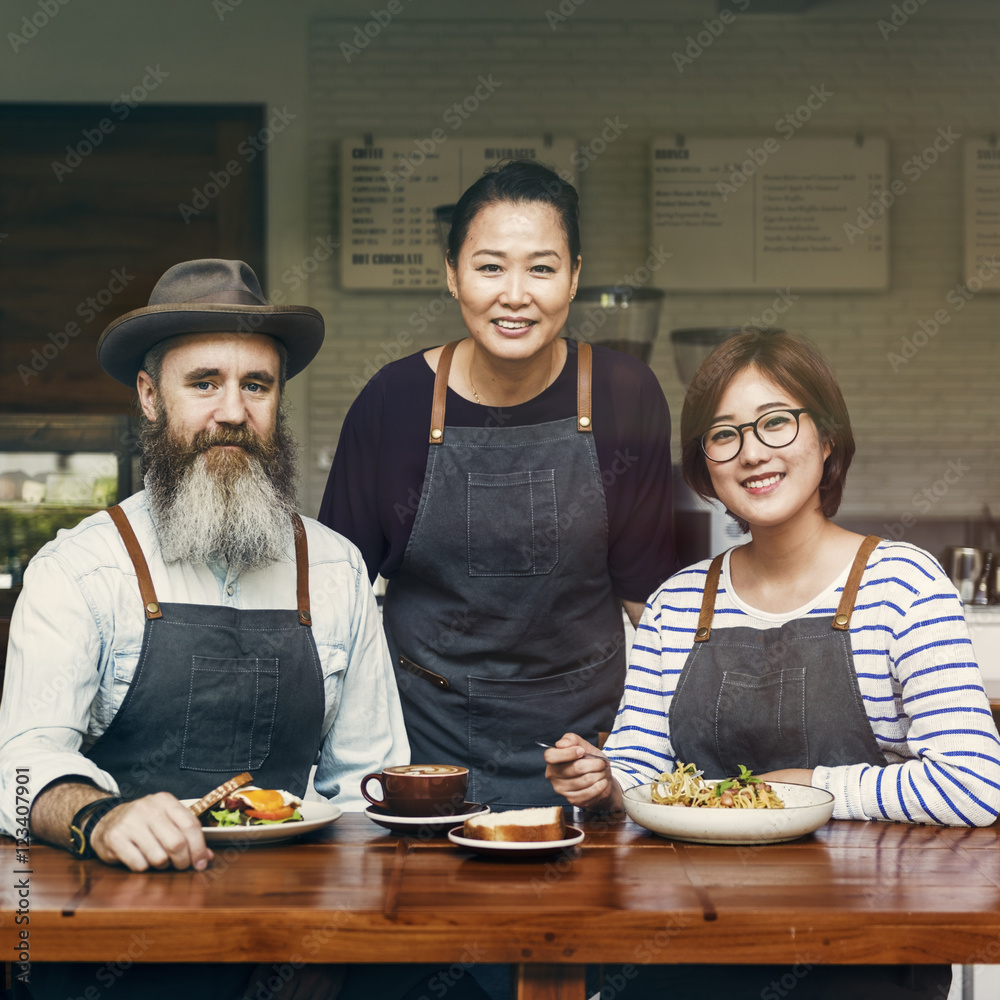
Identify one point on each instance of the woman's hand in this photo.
(583, 781)
(795, 775)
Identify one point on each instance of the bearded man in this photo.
(202, 629)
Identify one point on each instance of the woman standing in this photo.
(514, 489)
(810, 654)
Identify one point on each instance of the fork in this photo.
(552, 746)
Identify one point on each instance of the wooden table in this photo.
(852, 893)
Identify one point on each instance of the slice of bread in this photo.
(518, 825)
(218, 794)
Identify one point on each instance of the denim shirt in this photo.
(77, 632)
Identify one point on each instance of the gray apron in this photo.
(501, 620)
(773, 698)
(217, 691)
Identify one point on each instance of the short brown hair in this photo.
(795, 364)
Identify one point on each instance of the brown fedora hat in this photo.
(207, 296)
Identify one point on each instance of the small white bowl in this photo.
(806, 809)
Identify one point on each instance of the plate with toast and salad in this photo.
(239, 811)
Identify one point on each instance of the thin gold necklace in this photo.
(548, 380)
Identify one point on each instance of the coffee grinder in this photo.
(617, 316)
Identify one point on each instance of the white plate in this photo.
(417, 824)
(314, 815)
(806, 809)
(516, 849)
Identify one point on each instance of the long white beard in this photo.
(234, 513)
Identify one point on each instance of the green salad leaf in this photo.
(233, 817)
(744, 778)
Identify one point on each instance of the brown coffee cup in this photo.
(419, 789)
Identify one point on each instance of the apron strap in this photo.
(584, 407)
(152, 605)
(842, 619)
(441, 392)
(134, 550)
(301, 570)
(584, 366)
(704, 630)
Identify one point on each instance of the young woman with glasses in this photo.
(809, 654)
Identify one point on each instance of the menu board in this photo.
(982, 214)
(392, 238)
(743, 214)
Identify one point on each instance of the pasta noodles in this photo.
(685, 787)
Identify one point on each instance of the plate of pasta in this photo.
(744, 809)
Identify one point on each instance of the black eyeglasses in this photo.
(774, 429)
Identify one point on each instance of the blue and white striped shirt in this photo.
(917, 674)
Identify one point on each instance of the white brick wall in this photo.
(941, 69)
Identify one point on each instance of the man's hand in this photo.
(582, 781)
(153, 832)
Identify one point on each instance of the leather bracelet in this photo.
(82, 826)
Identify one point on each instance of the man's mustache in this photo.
(239, 437)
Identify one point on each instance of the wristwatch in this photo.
(84, 822)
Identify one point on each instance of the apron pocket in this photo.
(230, 713)
(760, 720)
(512, 527)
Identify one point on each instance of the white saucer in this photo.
(416, 824)
(517, 850)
